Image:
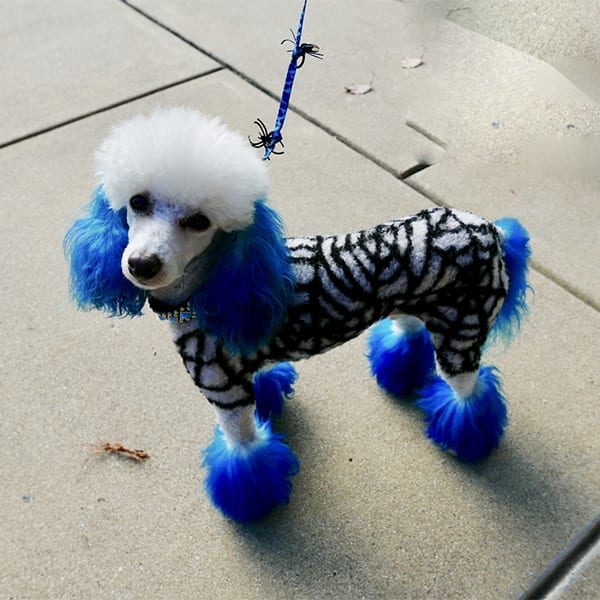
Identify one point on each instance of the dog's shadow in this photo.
(307, 547)
(538, 496)
(303, 547)
(526, 487)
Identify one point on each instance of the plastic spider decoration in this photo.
(266, 138)
(301, 51)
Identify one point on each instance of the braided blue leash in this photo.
(269, 139)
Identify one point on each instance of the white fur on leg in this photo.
(238, 424)
(463, 385)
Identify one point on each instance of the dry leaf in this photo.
(137, 455)
(411, 62)
(358, 88)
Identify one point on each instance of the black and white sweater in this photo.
(442, 266)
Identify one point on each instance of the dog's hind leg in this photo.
(465, 409)
(400, 354)
(271, 387)
(249, 466)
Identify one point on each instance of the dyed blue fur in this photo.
(471, 427)
(271, 387)
(94, 245)
(516, 256)
(247, 481)
(249, 284)
(400, 362)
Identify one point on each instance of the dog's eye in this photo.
(139, 203)
(197, 222)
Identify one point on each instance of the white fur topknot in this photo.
(184, 157)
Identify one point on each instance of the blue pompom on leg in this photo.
(401, 360)
(470, 427)
(271, 388)
(248, 480)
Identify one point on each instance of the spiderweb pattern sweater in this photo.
(441, 265)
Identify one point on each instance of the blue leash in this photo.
(269, 139)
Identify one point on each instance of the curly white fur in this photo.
(190, 159)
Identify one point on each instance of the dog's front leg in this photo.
(249, 466)
(238, 425)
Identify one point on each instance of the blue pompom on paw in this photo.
(470, 427)
(247, 481)
(271, 388)
(401, 361)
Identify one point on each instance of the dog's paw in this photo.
(401, 361)
(247, 481)
(468, 427)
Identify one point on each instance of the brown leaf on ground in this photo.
(119, 449)
(358, 89)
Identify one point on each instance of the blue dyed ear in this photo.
(249, 284)
(94, 245)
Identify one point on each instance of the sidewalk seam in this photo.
(567, 559)
(108, 107)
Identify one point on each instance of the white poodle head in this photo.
(176, 187)
(181, 177)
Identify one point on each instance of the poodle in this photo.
(180, 220)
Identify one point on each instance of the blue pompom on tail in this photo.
(272, 387)
(516, 256)
(471, 427)
(401, 361)
(247, 481)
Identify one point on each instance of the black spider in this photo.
(300, 52)
(266, 138)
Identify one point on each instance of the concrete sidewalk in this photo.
(485, 124)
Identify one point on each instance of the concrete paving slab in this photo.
(538, 27)
(525, 142)
(584, 73)
(65, 58)
(377, 511)
(565, 34)
(574, 572)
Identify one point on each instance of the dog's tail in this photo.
(515, 244)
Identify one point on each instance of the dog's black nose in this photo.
(144, 267)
